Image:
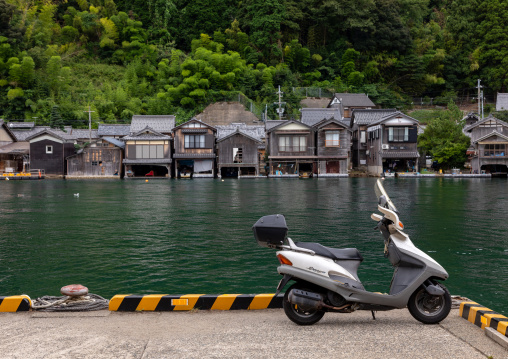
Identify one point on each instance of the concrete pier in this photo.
(238, 334)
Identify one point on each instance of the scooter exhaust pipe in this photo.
(309, 301)
(306, 301)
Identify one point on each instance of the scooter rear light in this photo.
(284, 260)
(401, 225)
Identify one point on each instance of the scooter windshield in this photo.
(380, 191)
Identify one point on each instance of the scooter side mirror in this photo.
(382, 201)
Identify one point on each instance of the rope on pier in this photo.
(70, 304)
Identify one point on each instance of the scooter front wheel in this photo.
(427, 308)
(297, 315)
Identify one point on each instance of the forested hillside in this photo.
(175, 57)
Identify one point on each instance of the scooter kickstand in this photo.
(373, 315)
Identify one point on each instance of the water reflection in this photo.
(195, 236)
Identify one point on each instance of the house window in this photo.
(292, 143)
(49, 149)
(332, 139)
(363, 137)
(194, 141)
(149, 151)
(497, 150)
(94, 163)
(237, 155)
(398, 134)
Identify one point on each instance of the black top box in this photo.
(271, 231)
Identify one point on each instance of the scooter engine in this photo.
(336, 299)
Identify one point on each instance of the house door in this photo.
(332, 166)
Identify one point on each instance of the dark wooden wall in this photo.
(248, 146)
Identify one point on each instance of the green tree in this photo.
(56, 120)
(444, 140)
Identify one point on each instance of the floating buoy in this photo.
(76, 194)
(146, 180)
(74, 290)
(6, 178)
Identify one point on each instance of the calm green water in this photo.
(194, 236)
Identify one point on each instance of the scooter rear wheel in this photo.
(427, 308)
(298, 315)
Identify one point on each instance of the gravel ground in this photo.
(238, 334)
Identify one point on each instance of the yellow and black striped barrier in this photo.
(15, 303)
(164, 302)
(483, 317)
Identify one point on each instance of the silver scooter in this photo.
(326, 279)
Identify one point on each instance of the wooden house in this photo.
(347, 102)
(489, 141)
(333, 147)
(194, 149)
(97, 160)
(392, 144)
(147, 154)
(291, 149)
(238, 150)
(360, 120)
(48, 151)
(13, 153)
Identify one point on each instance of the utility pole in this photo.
(480, 96)
(280, 110)
(482, 103)
(89, 123)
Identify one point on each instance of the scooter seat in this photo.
(332, 253)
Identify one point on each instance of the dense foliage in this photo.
(175, 57)
(444, 140)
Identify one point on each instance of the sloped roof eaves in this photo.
(489, 118)
(194, 120)
(494, 133)
(366, 117)
(332, 120)
(63, 137)
(19, 148)
(193, 155)
(146, 161)
(391, 116)
(288, 122)
(114, 141)
(273, 123)
(23, 135)
(399, 154)
(146, 138)
(240, 132)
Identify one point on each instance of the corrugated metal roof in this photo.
(162, 124)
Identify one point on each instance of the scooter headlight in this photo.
(284, 260)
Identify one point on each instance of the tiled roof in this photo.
(16, 148)
(502, 102)
(106, 129)
(14, 125)
(22, 135)
(272, 123)
(311, 116)
(82, 133)
(368, 116)
(399, 154)
(66, 136)
(396, 114)
(354, 100)
(256, 132)
(147, 133)
(162, 124)
(488, 118)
